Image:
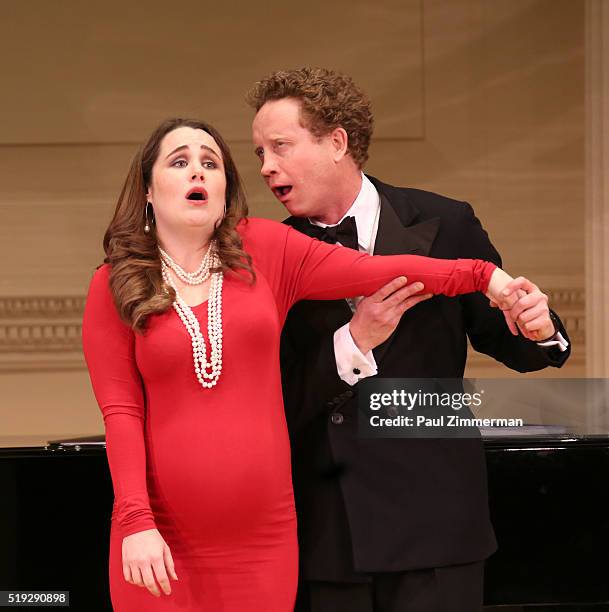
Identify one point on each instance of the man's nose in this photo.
(269, 166)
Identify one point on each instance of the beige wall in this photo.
(479, 100)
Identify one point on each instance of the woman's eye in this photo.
(209, 164)
(179, 163)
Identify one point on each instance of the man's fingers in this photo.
(530, 299)
(538, 310)
(527, 302)
(411, 290)
(391, 287)
(510, 323)
(413, 301)
(519, 283)
(535, 324)
(399, 296)
(516, 310)
(532, 329)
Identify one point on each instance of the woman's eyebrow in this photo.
(180, 148)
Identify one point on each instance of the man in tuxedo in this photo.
(385, 525)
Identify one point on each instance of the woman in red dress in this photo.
(185, 368)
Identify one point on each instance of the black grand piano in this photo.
(549, 496)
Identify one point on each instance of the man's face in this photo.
(298, 167)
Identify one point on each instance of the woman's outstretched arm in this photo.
(301, 268)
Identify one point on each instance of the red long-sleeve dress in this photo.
(210, 468)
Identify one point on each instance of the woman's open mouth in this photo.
(197, 194)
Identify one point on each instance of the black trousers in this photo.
(458, 588)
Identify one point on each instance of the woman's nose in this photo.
(198, 173)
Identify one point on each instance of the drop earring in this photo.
(147, 225)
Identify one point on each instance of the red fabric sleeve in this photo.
(109, 349)
(300, 267)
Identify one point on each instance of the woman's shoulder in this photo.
(102, 272)
(254, 226)
(257, 232)
(100, 279)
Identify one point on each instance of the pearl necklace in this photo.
(200, 275)
(207, 372)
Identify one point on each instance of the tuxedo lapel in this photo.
(394, 237)
(401, 235)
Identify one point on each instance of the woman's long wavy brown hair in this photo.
(135, 277)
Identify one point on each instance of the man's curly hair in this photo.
(329, 100)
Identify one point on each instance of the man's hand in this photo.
(530, 311)
(379, 314)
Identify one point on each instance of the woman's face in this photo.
(188, 185)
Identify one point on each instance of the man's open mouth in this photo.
(282, 190)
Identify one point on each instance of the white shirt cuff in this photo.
(351, 364)
(557, 340)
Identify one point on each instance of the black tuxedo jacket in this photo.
(370, 505)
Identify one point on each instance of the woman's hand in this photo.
(146, 555)
(500, 279)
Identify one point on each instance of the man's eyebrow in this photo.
(180, 148)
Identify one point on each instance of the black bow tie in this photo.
(345, 233)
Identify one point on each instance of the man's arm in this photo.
(486, 326)
(374, 320)
(318, 378)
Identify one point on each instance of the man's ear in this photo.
(340, 143)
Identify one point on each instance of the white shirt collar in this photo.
(365, 209)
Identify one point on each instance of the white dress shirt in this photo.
(351, 364)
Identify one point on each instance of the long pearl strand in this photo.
(207, 372)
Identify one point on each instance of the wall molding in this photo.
(39, 333)
(41, 306)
